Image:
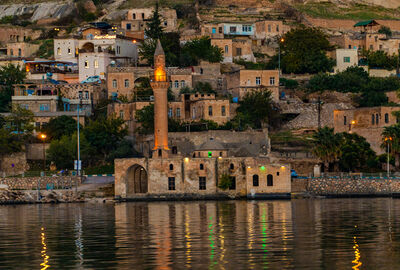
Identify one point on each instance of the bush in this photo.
(289, 84)
(225, 181)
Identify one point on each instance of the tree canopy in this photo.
(304, 51)
(9, 75)
(59, 126)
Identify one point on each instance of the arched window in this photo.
(201, 166)
(182, 83)
(377, 119)
(114, 83)
(171, 167)
(69, 50)
(223, 111)
(176, 84)
(210, 112)
(255, 180)
(19, 52)
(373, 119)
(386, 118)
(270, 180)
(58, 51)
(126, 83)
(86, 64)
(231, 166)
(96, 63)
(226, 49)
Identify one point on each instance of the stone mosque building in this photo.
(172, 174)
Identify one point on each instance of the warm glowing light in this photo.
(282, 167)
(219, 157)
(43, 136)
(105, 37)
(186, 159)
(160, 75)
(248, 167)
(134, 41)
(388, 139)
(282, 40)
(45, 257)
(353, 122)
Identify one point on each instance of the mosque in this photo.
(209, 172)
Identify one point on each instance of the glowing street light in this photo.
(388, 140)
(43, 137)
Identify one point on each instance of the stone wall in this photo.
(352, 186)
(13, 164)
(29, 183)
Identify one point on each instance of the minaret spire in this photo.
(160, 85)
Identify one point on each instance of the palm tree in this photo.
(392, 132)
(327, 146)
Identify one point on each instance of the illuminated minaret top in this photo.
(160, 85)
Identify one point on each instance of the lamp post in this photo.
(43, 138)
(388, 140)
(281, 40)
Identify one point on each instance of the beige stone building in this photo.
(234, 49)
(345, 58)
(170, 175)
(366, 122)
(17, 34)
(269, 29)
(243, 81)
(21, 49)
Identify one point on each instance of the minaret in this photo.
(160, 85)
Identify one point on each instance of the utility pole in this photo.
(319, 112)
(78, 163)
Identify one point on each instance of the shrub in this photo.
(225, 181)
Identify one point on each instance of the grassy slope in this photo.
(354, 12)
(151, 3)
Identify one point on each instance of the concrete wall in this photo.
(13, 164)
(29, 183)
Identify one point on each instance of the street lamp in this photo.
(281, 40)
(43, 138)
(388, 140)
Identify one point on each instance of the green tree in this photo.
(203, 88)
(356, 154)
(9, 143)
(105, 134)
(154, 29)
(171, 45)
(255, 109)
(392, 132)
(20, 121)
(145, 117)
(304, 51)
(200, 49)
(9, 75)
(385, 30)
(60, 126)
(327, 146)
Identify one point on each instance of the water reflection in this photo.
(297, 234)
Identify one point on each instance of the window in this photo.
(80, 95)
(182, 83)
(174, 150)
(171, 183)
(171, 167)
(223, 111)
(386, 118)
(128, 26)
(209, 154)
(126, 82)
(86, 64)
(170, 113)
(220, 30)
(231, 166)
(58, 51)
(238, 51)
(255, 180)
(19, 52)
(37, 124)
(176, 84)
(373, 119)
(246, 28)
(377, 119)
(277, 173)
(344, 120)
(349, 46)
(44, 107)
(142, 15)
(114, 83)
(271, 80)
(233, 183)
(201, 71)
(202, 183)
(232, 29)
(96, 63)
(269, 28)
(11, 52)
(210, 112)
(346, 59)
(371, 47)
(270, 180)
(134, 16)
(178, 112)
(121, 114)
(86, 94)
(226, 48)
(69, 50)
(277, 28)
(258, 80)
(118, 49)
(165, 23)
(214, 30)
(201, 166)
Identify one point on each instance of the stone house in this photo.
(269, 29)
(38, 70)
(17, 34)
(239, 29)
(21, 49)
(66, 49)
(243, 81)
(213, 30)
(345, 58)
(367, 41)
(234, 49)
(366, 122)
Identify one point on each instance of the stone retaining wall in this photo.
(349, 186)
(29, 183)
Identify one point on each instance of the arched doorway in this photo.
(136, 180)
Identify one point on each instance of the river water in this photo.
(362, 233)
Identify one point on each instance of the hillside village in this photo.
(246, 79)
